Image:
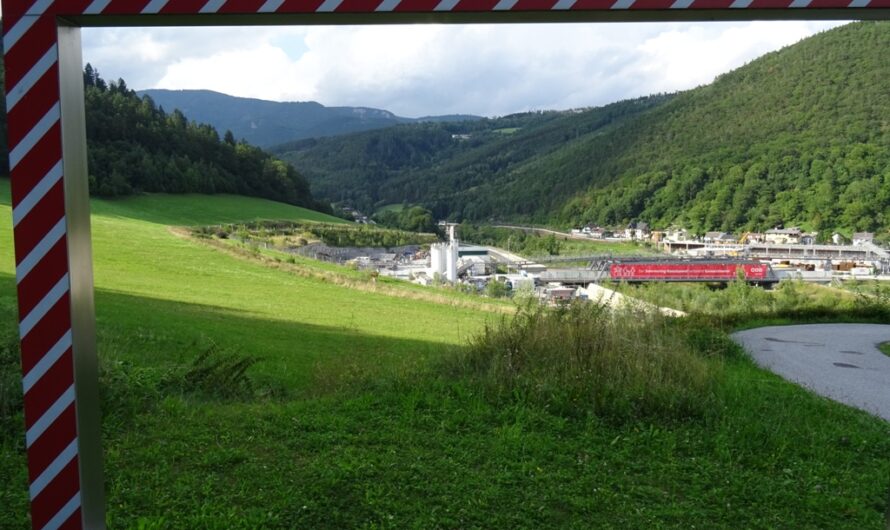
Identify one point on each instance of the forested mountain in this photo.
(797, 137)
(134, 146)
(268, 123)
(453, 167)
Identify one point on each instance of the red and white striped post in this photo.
(53, 269)
(47, 155)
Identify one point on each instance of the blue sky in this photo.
(417, 70)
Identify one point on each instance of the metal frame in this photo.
(50, 193)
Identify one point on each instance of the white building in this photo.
(863, 238)
(783, 236)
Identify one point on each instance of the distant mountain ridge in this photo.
(268, 123)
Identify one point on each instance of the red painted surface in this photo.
(688, 271)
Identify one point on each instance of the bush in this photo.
(582, 359)
(216, 373)
(11, 422)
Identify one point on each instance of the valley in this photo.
(263, 362)
(359, 409)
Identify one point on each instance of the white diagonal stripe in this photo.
(37, 192)
(328, 6)
(43, 307)
(53, 470)
(51, 415)
(800, 3)
(54, 354)
(63, 515)
(859, 3)
(39, 7)
(96, 7)
(740, 4)
(623, 4)
(30, 140)
(446, 5)
(212, 6)
(271, 6)
(39, 252)
(505, 5)
(563, 5)
(681, 4)
(154, 6)
(34, 74)
(17, 32)
(388, 5)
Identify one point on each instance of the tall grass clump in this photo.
(743, 305)
(586, 360)
(10, 389)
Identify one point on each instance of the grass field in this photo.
(885, 347)
(353, 422)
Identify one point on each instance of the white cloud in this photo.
(431, 69)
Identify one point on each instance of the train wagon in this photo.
(693, 271)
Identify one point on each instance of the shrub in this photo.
(10, 388)
(217, 373)
(582, 359)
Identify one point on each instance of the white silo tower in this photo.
(438, 258)
(451, 261)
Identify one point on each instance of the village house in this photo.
(675, 234)
(753, 237)
(719, 237)
(863, 238)
(809, 238)
(597, 232)
(637, 230)
(783, 236)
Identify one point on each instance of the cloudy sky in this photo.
(421, 70)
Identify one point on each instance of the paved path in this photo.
(838, 361)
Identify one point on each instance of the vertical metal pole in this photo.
(80, 270)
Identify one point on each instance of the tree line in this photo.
(135, 146)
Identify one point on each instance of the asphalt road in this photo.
(838, 361)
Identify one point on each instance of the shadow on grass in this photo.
(304, 359)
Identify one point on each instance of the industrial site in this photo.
(761, 260)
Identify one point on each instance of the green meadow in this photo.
(365, 406)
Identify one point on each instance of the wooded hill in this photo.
(134, 146)
(797, 137)
(458, 170)
(268, 123)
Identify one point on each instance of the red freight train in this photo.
(685, 271)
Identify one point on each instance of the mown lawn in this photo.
(354, 424)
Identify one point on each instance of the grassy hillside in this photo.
(136, 256)
(797, 137)
(351, 417)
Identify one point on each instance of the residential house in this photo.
(675, 234)
(637, 230)
(863, 238)
(809, 238)
(753, 237)
(783, 236)
(596, 232)
(719, 237)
